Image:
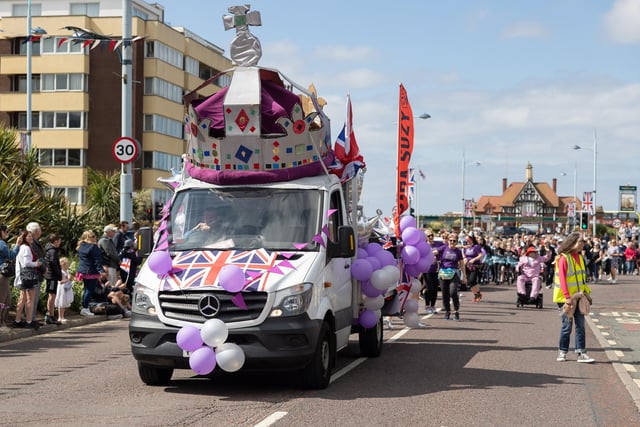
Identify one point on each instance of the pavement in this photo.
(73, 321)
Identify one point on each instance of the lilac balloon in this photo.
(412, 270)
(361, 269)
(411, 306)
(160, 262)
(368, 289)
(411, 236)
(410, 255)
(188, 338)
(424, 263)
(406, 222)
(362, 253)
(368, 319)
(231, 278)
(372, 248)
(424, 248)
(375, 263)
(203, 360)
(386, 258)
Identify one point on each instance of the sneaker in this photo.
(49, 320)
(584, 358)
(388, 324)
(114, 317)
(456, 316)
(20, 324)
(613, 282)
(562, 356)
(479, 296)
(86, 312)
(32, 325)
(62, 321)
(447, 315)
(548, 286)
(127, 313)
(609, 279)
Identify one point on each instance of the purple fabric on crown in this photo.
(275, 102)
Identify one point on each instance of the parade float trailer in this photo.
(269, 286)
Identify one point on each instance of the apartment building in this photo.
(76, 90)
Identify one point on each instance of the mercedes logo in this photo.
(209, 305)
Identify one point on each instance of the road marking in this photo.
(604, 334)
(271, 419)
(618, 353)
(611, 342)
(629, 367)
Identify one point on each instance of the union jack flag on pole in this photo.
(571, 209)
(587, 202)
(411, 185)
(468, 208)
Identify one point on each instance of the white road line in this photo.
(629, 367)
(604, 334)
(611, 342)
(618, 353)
(271, 419)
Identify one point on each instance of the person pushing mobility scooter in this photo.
(529, 282)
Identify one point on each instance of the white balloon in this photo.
(374, 303)
(411, 306)
(411, 320)
(393, 271)
(416, 285)
(214, 332)
(229, 357)
(380, 280)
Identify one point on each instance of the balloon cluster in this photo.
(416, 252)
(208, 348)
(377, 271)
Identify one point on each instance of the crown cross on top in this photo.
(245, 47)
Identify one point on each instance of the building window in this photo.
(155, 49)
(137, 13)
(61, 45)
(191, 65)
(223, 80)
(22, 120)
(20, 46)
(62, 120)
(20, 82)
(75, 195)
(63, 82)
(58, 157)
(21, 9)
(159, 87)
(88, 9)
(162, 161)
(163, 125)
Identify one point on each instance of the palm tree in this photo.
(103, 197)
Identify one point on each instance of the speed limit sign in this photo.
(126, 149)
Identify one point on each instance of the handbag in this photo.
(8, 268)
(29, 276)
(446, 273)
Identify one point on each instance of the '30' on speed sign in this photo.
(126, 149)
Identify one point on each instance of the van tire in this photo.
(154, 375)
(317, 374)
(371, 340)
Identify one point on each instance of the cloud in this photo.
(344, 53)
(525, 30)
(622, 22)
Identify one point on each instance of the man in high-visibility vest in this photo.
(569, 280)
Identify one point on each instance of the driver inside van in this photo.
(209, 229)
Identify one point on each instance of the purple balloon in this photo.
(368, 289)
(362, 253)
(412, 270)
(424, 263)
(411, 236)
(368, 319)
(203, 360)
(372, 248)
(385, 258)
(410, 254)
(361, 269)
(188, 338)
(406, 222)
(231, 278)
(424, 248)
(160, 262)
(375, 263)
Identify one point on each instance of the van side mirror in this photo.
(346, 245)
(145, 241)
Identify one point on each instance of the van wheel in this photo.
(317, 374)
(371, 340)
(154, 375)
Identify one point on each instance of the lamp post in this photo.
(423, 116)
(29, 88)
(595, 176)
(464, 166)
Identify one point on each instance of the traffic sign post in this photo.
(126, 149)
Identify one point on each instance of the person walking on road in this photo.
(569, 282)
(451, 267)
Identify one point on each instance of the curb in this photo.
(73, 321)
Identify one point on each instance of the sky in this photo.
(506, 83)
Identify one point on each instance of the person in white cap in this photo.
(110, 258)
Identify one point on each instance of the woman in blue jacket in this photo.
(90, 268)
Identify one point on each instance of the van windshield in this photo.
(245, 218)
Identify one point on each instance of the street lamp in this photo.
(464, 166)
(595, 176)
(30, 32)
(575, 191)
(423, 116)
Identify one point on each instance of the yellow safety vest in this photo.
(576, 275)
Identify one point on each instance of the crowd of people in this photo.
(106, 267)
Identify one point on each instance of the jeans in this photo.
(449, 289)
(90, 286)
(432, 289)
(565, 332)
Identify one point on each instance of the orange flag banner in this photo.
(405, 148)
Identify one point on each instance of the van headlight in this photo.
(142, 302)
(292, 301)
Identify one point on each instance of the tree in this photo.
(103, 198)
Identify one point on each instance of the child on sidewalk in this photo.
(64, 294)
